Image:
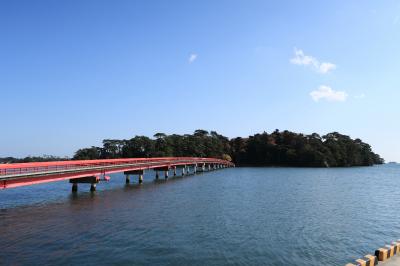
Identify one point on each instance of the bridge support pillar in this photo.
(140, 173)
(200, 168)
(165, 169)
(92, 180)
(175, 171)
(127, 179)
(184, 171)
(195, 169)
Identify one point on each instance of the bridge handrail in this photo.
(34, 167)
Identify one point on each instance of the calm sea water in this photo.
(240, 216)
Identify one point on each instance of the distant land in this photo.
(279, 148)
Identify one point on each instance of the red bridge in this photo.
(93, 171)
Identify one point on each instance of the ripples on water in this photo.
(241, 216)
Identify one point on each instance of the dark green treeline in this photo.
(279, 148)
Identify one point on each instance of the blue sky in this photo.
(76, 72)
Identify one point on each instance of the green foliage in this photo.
(276, 149)
(89, 153)
(28, 159)
(291, 149)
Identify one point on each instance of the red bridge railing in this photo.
(35, 167)
(21, 174)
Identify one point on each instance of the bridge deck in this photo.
(23, 174)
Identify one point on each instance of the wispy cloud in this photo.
(306, 60)
(192, 58)
(327, 93)
(326, 67)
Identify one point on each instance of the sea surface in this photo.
(236, 216)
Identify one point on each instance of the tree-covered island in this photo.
(279, 148)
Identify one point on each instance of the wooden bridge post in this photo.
(127, 180)
(174, 170)
(74, 187)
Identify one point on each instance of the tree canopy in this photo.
(279, 148)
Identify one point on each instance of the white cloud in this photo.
(301, 59)
(306, 60)
(327, 93)
(192, 58)
(326, 67)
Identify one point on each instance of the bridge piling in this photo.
(127, 179)
(163, 168)
(92, 180)
(174, 170)
(140, 174)
(184, 170)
